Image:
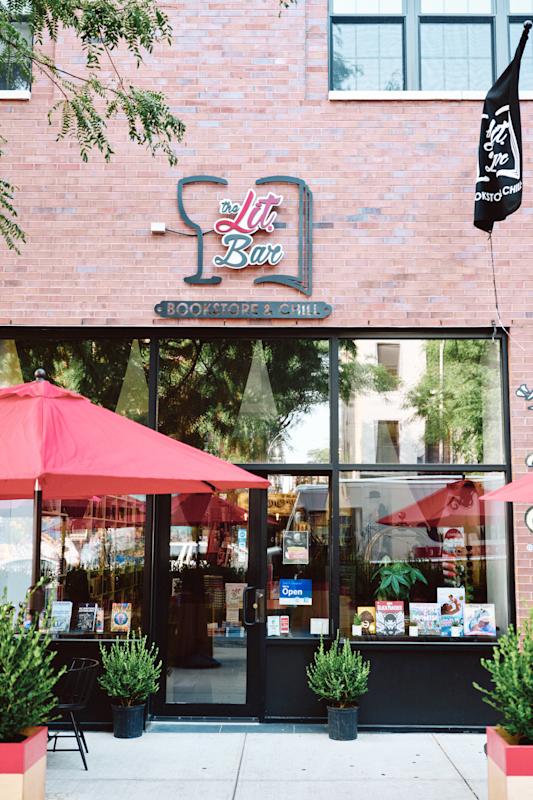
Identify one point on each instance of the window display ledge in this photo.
(414, 95)
(15, 94)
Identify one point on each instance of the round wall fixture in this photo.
(528, 519)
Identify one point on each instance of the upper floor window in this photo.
(429, 45)
(15, 74)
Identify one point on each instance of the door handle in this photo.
(245, 603)
(258, 606)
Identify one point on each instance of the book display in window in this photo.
(368, 618)
(86, 618)
(60, 616)
(121, 618)
(390, 618)
(427, 618)
(451, 600)
(479, 619)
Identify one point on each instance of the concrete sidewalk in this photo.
(272, 766)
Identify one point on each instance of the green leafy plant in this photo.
(27, 674)
(511, 672)
(131, 670)
(357, 619)
(396, 579)
(338, 675)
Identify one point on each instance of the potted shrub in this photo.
(396, 579)
(457, 628)
(413, 627)
(27, 678)
(339, 676)
(357, 625)
(510, 744)
(131, 672)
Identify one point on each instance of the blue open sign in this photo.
(295, 592)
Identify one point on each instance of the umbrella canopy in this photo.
(452, 505)
(75, 448)
(205, 509)
(518, 491)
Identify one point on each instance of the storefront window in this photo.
(433, 401)
(298, 527)
(92, 549)
(247, 400)
(422, 548)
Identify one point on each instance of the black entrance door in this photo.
(210, 606)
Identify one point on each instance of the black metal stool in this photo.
(73, 691)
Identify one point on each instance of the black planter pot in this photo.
(128, 721)
(342, 723)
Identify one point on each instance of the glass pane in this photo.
(93, 552)
(247, 400)
(445, 401)
(372, 7)
(526, 67)
(208, 568)
(422, 548)
(111, 372)
(455, 56)
(15, 548)
(298, 556)
(520, 6)
(13, 74)
(456, 6)
(93, 549)
(368, 56)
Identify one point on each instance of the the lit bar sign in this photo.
(255, 214)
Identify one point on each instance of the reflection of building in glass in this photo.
(379, 427)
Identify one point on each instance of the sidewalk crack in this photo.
(441, 748)
(239, 768)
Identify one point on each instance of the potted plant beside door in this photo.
(131, 673)
(27, 701)
(340, 677)
(510, 744)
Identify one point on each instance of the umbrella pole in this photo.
(37, 595)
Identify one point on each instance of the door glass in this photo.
(206, 636)
(298, 556)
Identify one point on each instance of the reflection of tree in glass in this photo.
(450, 395)
(209, 398)
(344, 71)
(94, 368)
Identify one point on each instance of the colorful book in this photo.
(120, 617)
(368, 618)
(480, 619)
(390, 617)
(86, 618)
(427, 617)
(451, 600)
(99, 620)
(60, 616)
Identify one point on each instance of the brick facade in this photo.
(394, 244)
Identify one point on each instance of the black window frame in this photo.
(24, 20)
(332, 469)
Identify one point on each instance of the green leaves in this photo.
(396, 579)
(131, 670)
(511, 672)
(88, 102)
(27, 674)
(338, 675)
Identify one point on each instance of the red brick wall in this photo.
(392, 184)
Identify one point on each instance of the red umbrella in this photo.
(451, 505)
(57, 444)
(518, 491)
(206, 509)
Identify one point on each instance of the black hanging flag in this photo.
(499, 181)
